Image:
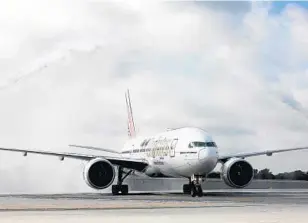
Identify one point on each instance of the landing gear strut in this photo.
(120, 188)
(194, 187)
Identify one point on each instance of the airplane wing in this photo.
(135, 164)
(267, 152)
(96, 148)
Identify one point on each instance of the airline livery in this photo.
(186, 152)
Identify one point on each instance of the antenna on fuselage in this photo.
(130, 117)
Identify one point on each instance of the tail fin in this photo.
(130, 121)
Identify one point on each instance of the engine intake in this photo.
(237, 173)
(99, 173)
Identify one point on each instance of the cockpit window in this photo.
(199, 144)
(202, 144)
(211, 144)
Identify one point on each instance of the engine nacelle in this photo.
(237, 173)
(99, 173)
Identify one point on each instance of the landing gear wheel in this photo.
(199, 191)
(196, 190)
(124, 189)
(193, 191)
(119, 189)
(186, 188)
(115, 189)
(195, 185)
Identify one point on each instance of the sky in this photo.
(236, 69)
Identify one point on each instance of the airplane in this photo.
(185, 152)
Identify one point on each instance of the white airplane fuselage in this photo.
(181, 152)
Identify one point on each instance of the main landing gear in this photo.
(120, 188)
(194, 187)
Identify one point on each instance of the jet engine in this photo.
(237, 173)
(99, 173)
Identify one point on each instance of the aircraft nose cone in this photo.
(203, 154)
(207, 153)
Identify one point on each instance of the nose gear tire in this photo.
(196, 190)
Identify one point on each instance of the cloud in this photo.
(66, 64)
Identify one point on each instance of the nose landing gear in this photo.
(194, 187)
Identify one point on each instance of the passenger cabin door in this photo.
(172, 147)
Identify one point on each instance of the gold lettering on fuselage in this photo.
(158, 148)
